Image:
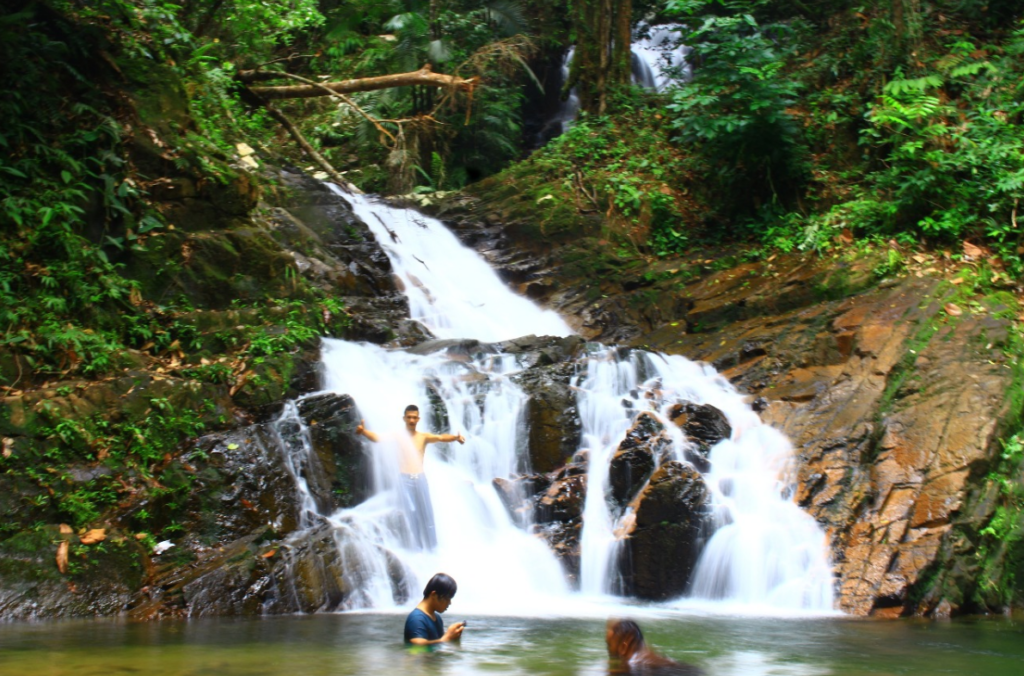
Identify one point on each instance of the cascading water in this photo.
(765, 552)
(663, 56)
(500, 566)
(658, 59)
(451, 290)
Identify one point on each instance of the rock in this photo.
(662, 550)
(704, 426)
(564, 539)
(551, 415)
(341, 475)
(543, 350)
(409, 333)
(519, 495)
(455, 348)
(238, 485)
(100, 583)
(636, 457)
(278, 377)
(563, 500)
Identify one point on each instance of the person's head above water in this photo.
(630, 654)
(411, 416)
(441, 584)
(439, 592)
(624, 638)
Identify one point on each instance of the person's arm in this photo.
(366, 433)
(434, 438)
(452, 633)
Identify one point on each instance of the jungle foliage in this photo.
(805, 126)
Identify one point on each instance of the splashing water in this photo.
(765, 553)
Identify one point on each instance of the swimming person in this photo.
(413, 490)
(424, 626)
(630, 654)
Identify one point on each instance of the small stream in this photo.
(356, 644)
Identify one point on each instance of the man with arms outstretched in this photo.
(413, 490)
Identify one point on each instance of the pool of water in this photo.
(345, 644)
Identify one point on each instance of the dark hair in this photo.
(629, 630)
(443, 584)
(412, 407)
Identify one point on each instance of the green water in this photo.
(340, 645)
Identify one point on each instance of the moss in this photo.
(269, 380)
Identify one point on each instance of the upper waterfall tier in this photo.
(451, 289)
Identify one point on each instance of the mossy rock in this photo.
(100, 578)
(215, 269)
(269, 380)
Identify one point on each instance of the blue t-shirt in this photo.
(419, 625)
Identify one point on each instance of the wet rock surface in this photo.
(636, 458)
(551, 415)
(343, 478)
(895, 408)
(661, 552)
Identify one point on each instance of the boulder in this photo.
(563, 500)
(563, 537)
(519, 494)
(636, 457)
(551, 415)
(704, 426)
(543, 350)
(339, 476)
(662, 550)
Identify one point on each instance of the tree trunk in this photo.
(602, 57)
(423, 76)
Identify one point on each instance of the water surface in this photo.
(340, 645)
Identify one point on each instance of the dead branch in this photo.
(301, 140)
(424, 76)
(345, 99)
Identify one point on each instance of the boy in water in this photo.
(629, 653)
(413, 490)
(424, 626)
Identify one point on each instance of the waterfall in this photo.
(764, 550)
(658, 59)
(660, 50)
(451, 290)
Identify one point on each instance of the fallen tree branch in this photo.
(301, 140)
(422, 77)
(345, 99)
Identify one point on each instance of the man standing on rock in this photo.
(413, 490)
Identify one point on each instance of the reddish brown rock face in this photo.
(893, 407)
